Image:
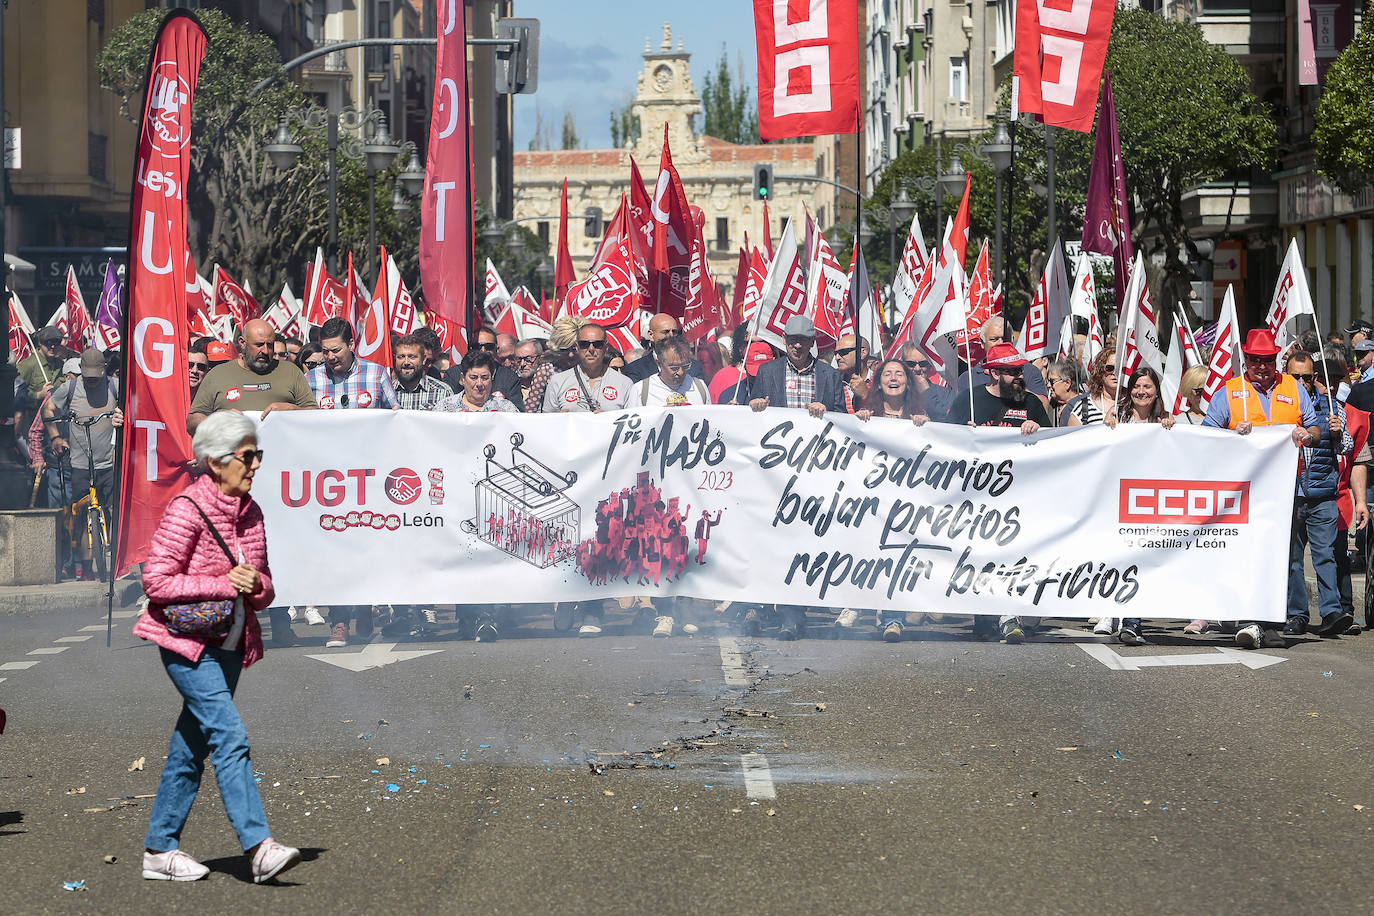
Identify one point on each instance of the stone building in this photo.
(717, 176)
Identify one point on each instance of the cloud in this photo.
(559, 61)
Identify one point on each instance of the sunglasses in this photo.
(916, 365)
(673, 332)
(1199, 391)
(591, 345)
(249, 456)
(201, 366)
(489, 346)
(525, 359)
(845, 351)
(1304, 377)
(50, 344)
(312, 363)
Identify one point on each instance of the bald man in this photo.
(993, 332)
(660, 327)
(257, 380)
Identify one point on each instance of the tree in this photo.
(260, 223)
(625, 127)
(1344, 135)
(727, 103)
(570, 139)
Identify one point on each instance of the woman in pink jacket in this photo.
(186, 563)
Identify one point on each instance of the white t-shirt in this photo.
(565, 391)
(654, 392)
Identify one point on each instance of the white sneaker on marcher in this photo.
(1106, 626)
(172, 865)
(272, 858)
(690, 629)
(847, 618)
(663, 626)
(313, 617)
(1250, 637)
(431, 616)
(589, 629)
(291, 613)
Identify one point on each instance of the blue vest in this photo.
(1320, 473)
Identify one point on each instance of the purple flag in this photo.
(109, 314)
(1107, 214)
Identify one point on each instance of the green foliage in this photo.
(625, 126)
(570, 138)
(727, 103)
(1344, 135)
(515, 269)
(260, 224)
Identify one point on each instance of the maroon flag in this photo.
(446, 211)
(563, 275)
(1058, 59)
(155, 444)
(808, 67)
(673, 227)
(1107, 213)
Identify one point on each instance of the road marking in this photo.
(98, 628)
(17, 666)
(74, 638)
(732, 663)
(50, 650)
(758, 778)
(122, 615)
(1224, 656)
(374, 655)
(3, 679)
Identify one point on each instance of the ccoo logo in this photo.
(1184, 502)
(403, 486)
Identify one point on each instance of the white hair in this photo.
(220, 434)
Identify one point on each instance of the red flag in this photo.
(1107, 211)
(155, 444)
(826, 286)
(563, 275)
(374, 328)
(21, 345)
(358, 305)
(958, 236)
(404, 317)
(808, 67)
(609, 296)
(672, 259)
(234, 299)
(1058, 59)
(736, 313)
(324, 295)
(753, 291)
(979, 307)
(450, 334)
(446, 210)
(767, 233)
(700, 316)
(784, 292)
(75, 322)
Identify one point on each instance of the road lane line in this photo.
(17, 666)
(122, 615)
(50, 650)
(97, 628)
(73, 638)
(732, 663)
(758, 778)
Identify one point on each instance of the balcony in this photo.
(333, 64)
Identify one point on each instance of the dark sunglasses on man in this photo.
(591, 345)
(489, 346)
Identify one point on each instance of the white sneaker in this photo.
(690, 629)
(847, 618)
(1249, 637)
(291, 613)
(663, 627)
(313, 617)
(1106, 626)
(272, 858)
(589, 629)
(173, 865)
(431, 616)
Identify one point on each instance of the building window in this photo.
(95, 12)
(722, 233)
(543, 229)
(95, 153)
(958, 78)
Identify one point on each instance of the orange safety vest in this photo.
(1285, 408)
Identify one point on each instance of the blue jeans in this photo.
(1315, 521)
(209, 723)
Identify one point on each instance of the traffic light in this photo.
(592, 222)
(763, 182)
(517, 65)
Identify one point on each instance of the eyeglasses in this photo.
(1199, 391)
(1056, 381)
(489, 346)
(525, 359)
(312, 363)
(845, 351)
(1304, 376)
(194, 366)
(916, 365)
(50, 344)
(591, 344)
(249, 456)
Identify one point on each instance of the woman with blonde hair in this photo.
(1192, 386)
(560, 355)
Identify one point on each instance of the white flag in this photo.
(1226, 353)
(909, 270)
(943, 312)
(784, 292)
(498, 297)
(1137, 337)
(1040, 331)
(1083, 304)
(1291, 298)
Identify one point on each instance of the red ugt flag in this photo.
(1060, 48)
(157, 395)
(808, 58)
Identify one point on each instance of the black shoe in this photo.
(1013, 632)
(1296, 626)
(792, 626)
(984, 627)
(486, 630)
(1130, 636)
(1335, 624)
(1272, 639)
(1355, 630)
(396, 629)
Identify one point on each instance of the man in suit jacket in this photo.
(660, 326)
(800, 380)
(506, 381)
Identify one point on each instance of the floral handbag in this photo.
(212, 617)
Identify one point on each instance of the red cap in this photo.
(219, 352)
(757, 354)
(1260, 342)
(1004, 356)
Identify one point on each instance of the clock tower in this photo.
(666, 96)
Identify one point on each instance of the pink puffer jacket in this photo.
(185, 563)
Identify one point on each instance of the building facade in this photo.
(717, 176)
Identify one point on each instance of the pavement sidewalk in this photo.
(16, 599)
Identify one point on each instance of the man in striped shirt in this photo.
(414, 389)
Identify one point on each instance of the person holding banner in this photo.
(414, 389)
(476, 372)
(504, 381)
(661, 327)
(1264, 397)
(589, 385)
(1100, 398)
(851, 361)
(800, 380)
(257, 380)
(1144, 402)
(672, 385)
(931, 385)
(346, 382)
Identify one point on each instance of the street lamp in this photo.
(380, 153)
(545, 274)
(998, 151)
(952, 181)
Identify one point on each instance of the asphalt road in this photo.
(544, 773)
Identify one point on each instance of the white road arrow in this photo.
(373, 656)
(1107, 656)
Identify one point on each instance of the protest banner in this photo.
(726, 503)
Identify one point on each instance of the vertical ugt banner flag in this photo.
(1060, 48)
(808, 58)
(446, 212)
(156, 446)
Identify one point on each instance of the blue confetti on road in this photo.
(392, 787)
(74, 885)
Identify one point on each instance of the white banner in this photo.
(377, 507)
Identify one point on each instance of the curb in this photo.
(65, 596)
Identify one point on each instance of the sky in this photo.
(590, 55)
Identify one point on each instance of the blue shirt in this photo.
(365, 385)
(1219, 410)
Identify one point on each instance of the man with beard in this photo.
(257, 380)
(525, 362)
(851, 360)
(1003, 401)
(414, 389)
